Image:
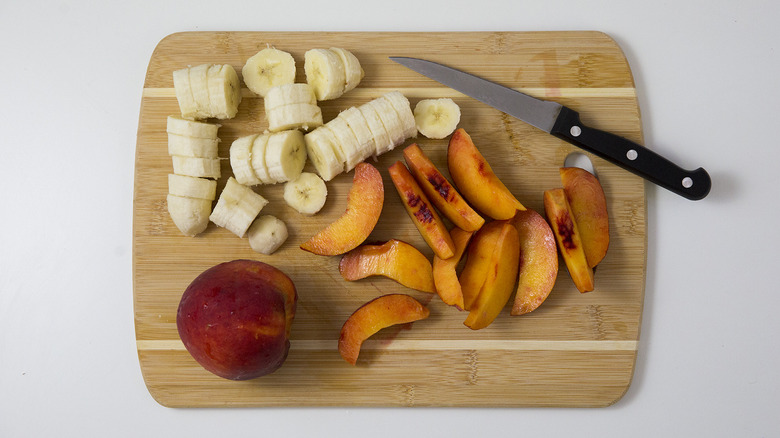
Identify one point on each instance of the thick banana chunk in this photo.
(352, 69)
(186, 146)
(191, 128)
(306, 194)
(266, 234)
(359, 126)
(436, 118)
(192, 187)
(190, 215)
(285, 155)
(237, 207)
(214, 91)
(325, 73)
(324, 153)
(289, 94)
(197, 167)
(224, 91)
(268, 68)
(241, 160)
(295, 116)
(404, 110)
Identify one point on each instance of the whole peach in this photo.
(235, 318)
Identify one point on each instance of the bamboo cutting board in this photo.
(575, 350)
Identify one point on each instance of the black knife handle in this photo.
(633, 157)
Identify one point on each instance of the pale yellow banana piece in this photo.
(306, 193)
(323, 152)
(197, 167)
(186, 146)
(359, 126)
(192, 187)
(224, 91)
(191, 128)
(382, 141)
(285, 155)
(181, 85)
(199, 82)
(289, 94)
(295, 116)
(353, 71)
(241, 160)
(258, 159)
(266, 234)
(404, 109)
(325, 73)
(436, 118)
(391, 122)
(347, 142)
(268, 68)
(190, 215)
(237, 207)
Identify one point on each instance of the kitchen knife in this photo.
(565, 123)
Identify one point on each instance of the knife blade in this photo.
(564, 123)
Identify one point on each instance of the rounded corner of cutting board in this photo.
(165, 373)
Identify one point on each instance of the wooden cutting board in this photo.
(575, 350)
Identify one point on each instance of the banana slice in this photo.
(359, 126)
(257, 159)
(285, 155)
(268, 68)
(306, 194)
(402, 106)
(267, 234)
(322, 150)
(197, 167)
(224, 91)
(436, 118)
(382, 141)
(186, 146)
(191, 128)
(347, 142)
(391, 122)
(241, 160)
(190, 215)
(289, 94)
(298, 115)
(325, 73)
(353, 72)
(191, 187)
(199, 82)
(181, 84)
(237, 207)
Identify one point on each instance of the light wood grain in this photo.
(575, 350)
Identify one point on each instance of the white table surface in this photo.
(707, 75)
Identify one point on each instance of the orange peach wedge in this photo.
(589, 206)
(500, 277)
(393, 259)
(375, 315)
(538, 261)
(364, 205)
(421, 211)
(445, 275)
(478, 262)
(441, 193)
(476, 180)
(567, 235)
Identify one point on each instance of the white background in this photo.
(707, 75)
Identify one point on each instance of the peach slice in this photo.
(478, 260)
(499, 279)
(375, 315)
(393, 259)
(421, 211)
(476, 181)
(364, 205)
(445, 276)
(589, 206)
(538, 261)
(441, 193)
(567, 235)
